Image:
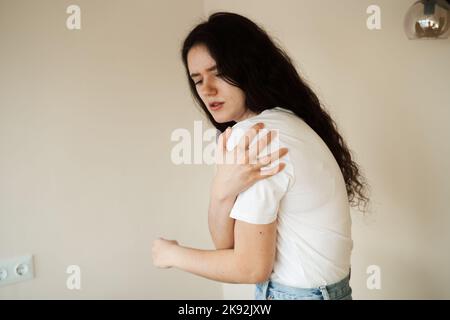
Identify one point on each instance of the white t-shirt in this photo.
(309, 199)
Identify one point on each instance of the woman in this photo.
(288, 228)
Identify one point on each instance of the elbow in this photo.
(260, 276)
(257, 273)
(254, 269)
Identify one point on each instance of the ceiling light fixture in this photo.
(428, 19)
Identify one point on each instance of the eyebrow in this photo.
(214, 67)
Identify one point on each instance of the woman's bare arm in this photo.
(232, 178)
(221, 226)
(248, 253)
(251, 261)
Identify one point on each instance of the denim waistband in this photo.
(331, 291)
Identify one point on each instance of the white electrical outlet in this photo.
(16, 269)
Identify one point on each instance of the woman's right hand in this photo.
(240, 168)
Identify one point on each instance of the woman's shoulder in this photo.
(277, 116)
(275, 119)
(281, 119)
(293, 132)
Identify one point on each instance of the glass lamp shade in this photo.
(428, 19)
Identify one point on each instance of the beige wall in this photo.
(85, 171)
(85, 124)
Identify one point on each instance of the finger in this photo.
(262, 143)
(222, 146)
(264, 161)
(220, 142)
(227, 136)
(249, 135)
(223, 138)
(263, 174)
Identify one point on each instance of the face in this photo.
(212, 88)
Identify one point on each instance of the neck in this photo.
(246, 115)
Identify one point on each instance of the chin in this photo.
(222, 119)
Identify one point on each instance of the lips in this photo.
(215, 105)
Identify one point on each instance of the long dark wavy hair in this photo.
(247, 58)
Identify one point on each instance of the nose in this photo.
(208, 87)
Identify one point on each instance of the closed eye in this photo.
(200, 81)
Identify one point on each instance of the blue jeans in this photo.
(270, 290)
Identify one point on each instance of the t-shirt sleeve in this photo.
(259, 204)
